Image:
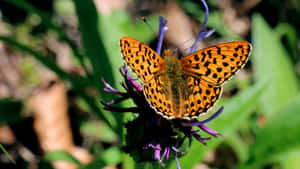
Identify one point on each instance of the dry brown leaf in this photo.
(235, 17)
(181, 28)
(179, 31)
(6, 135)
(201, 166)
(52, 124)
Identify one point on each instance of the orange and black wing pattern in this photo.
(144, 61)
(218, 63)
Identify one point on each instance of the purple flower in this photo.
(150, 131)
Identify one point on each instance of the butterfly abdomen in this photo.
(175, 85)
(175, 90)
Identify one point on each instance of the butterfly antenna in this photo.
(144, 19)
(147, 23)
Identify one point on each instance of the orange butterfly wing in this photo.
(198, 98)
(155, 93)
(203, 97)
(218, 63)
(144, 61)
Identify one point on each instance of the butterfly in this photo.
(188, 87)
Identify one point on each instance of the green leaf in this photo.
(236, 111)
(7, 154)
(112, 156)
(239, 146)
(148, 165)
(290, 159)
(97, 129)
(93, 45)
(288, 31)
(279, 136)
(95, 164)
(128, 162)
(271, 61)
(61, 156)
(95, 51)
(10, 111)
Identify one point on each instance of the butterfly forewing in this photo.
(218, 63)
(144, 61)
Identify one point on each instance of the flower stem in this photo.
(162, 29)
(202, 34)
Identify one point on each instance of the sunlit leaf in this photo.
(271, 61)
(61, 156)
(280, 135)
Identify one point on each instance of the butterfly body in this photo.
(188, 87)
(173, 83)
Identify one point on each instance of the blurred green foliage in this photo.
(10, 111)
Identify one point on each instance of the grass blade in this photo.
(7, 154)
(61, 156)
(271, 61)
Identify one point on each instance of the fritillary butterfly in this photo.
(188, 87)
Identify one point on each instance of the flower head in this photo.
(150, 131)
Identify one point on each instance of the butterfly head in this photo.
(171, 62)
(171, 55)
(168, 53)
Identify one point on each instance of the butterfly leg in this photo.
(161, 85)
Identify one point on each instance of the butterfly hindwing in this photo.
(203, 96)
(158, 99)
